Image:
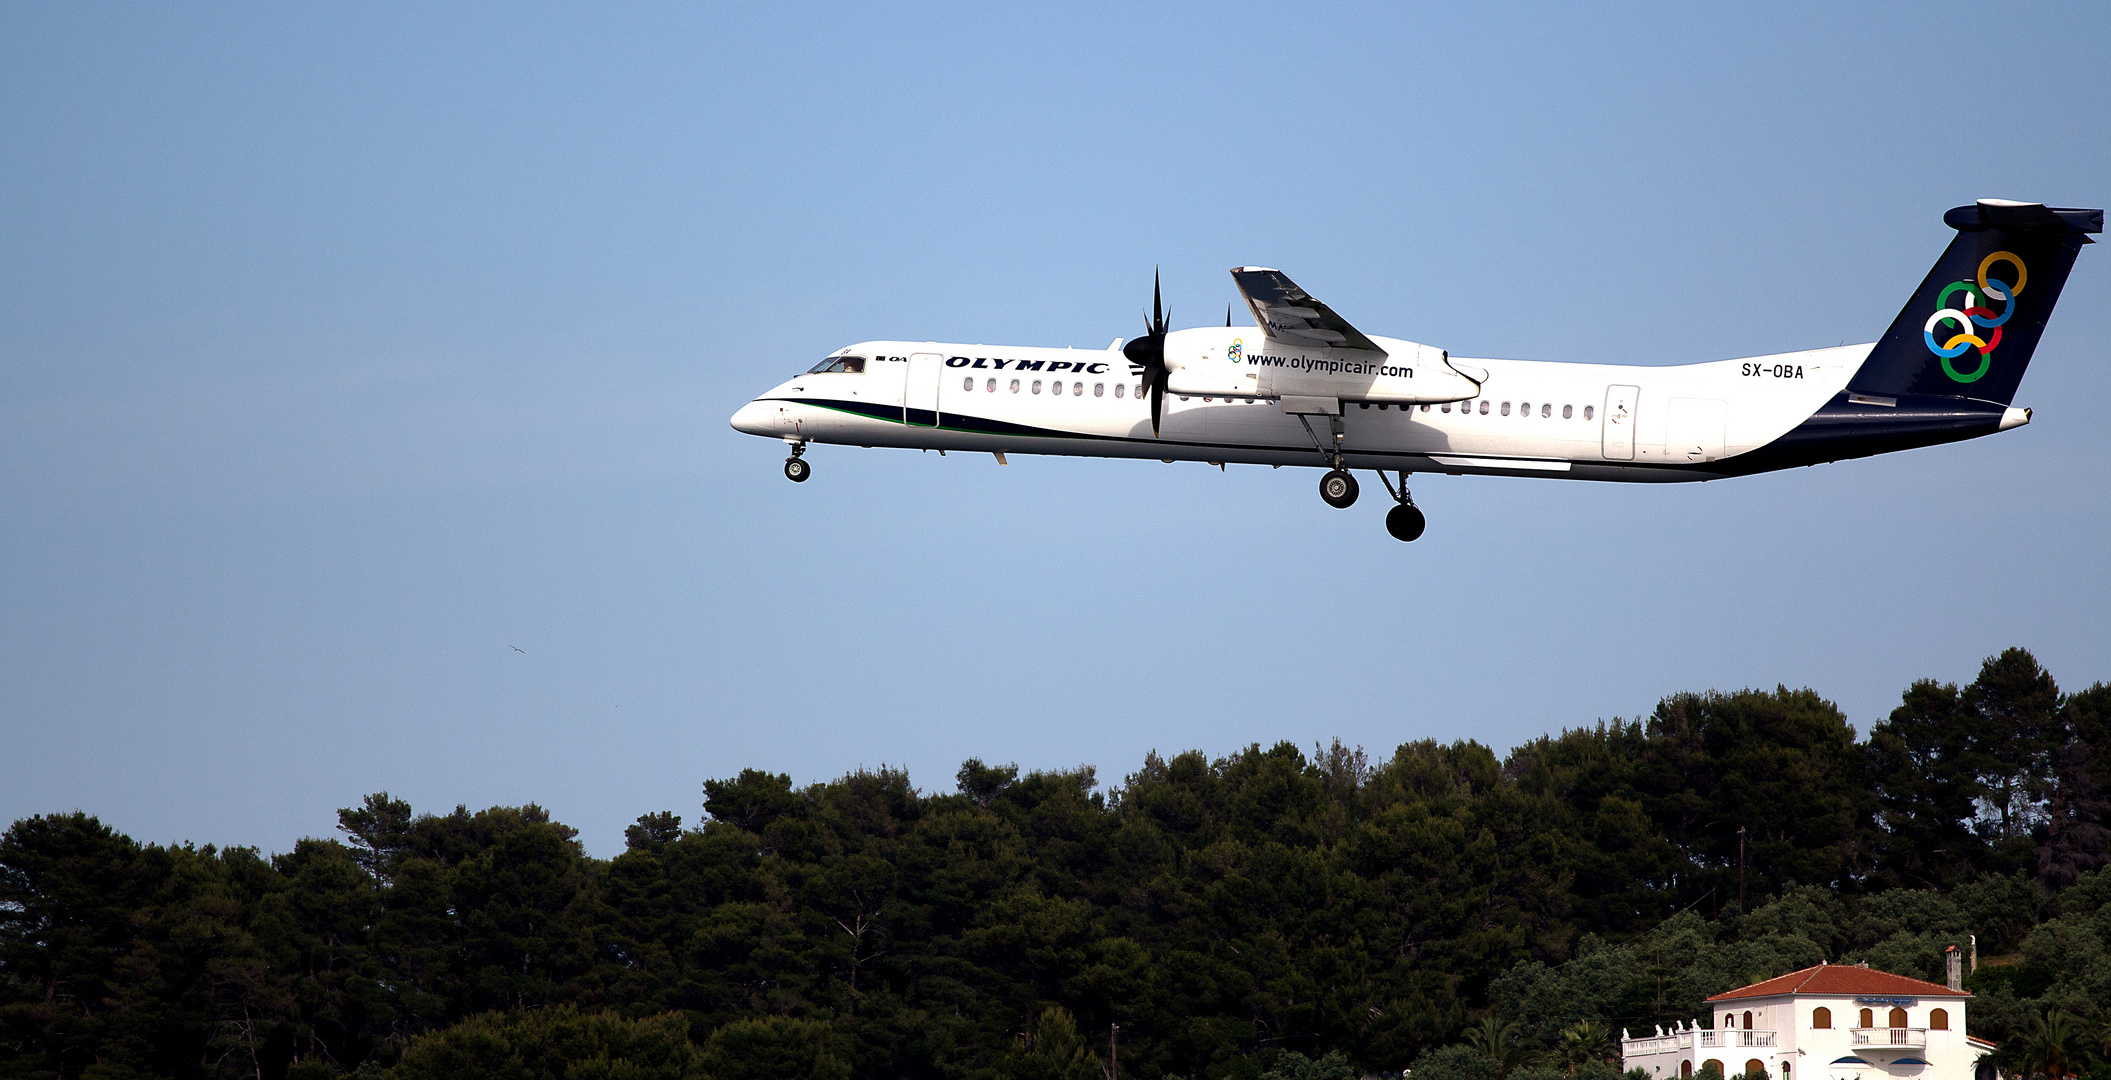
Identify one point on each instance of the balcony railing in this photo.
(1891, 1036)
(1668, 1044)
(1729, 1037)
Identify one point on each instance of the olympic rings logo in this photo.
(1238, 347)
(1973, 315)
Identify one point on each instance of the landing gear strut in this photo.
(795, 467)
(1404, 521)
(1337, 488)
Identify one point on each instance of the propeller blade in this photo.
(1157, 399)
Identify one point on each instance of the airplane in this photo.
(1303, 387)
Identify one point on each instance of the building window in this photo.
(1939, 1020)
(1784, 1071)
(1729, 1020)
(1685, 1068)
(1821, 1018)
(1755, 1066)
(1748, 1019)
(1711, 1063)
(1868, 1019)
(1898, 1018)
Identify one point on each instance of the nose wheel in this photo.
(795, 467)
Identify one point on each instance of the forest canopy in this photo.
(1272, 911)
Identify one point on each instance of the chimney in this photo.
(1975, 951)
(1955, 963)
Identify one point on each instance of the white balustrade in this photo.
(1890, 1036)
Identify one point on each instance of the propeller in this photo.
(1149, 353)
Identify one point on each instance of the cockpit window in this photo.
(851, 365)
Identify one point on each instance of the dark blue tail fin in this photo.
(1971, 326)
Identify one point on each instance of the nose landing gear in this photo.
(795, 467)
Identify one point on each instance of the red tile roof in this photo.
(1843, 979)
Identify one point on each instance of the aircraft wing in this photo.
(1289, 315)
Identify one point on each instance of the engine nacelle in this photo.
(1242, 362)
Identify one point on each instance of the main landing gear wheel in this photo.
(1405, 521)
(797, 470)
(1338, 488)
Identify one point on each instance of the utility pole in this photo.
(1740, 869)
(1114, 1051)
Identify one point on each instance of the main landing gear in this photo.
(1338, 487)
(795, 467)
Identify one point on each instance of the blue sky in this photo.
(364, 377)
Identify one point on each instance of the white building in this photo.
(1830, 1022)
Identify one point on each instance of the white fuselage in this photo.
(1525, 418)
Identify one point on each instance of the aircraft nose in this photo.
(754, 418)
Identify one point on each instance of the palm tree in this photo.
(2053, 1046)
(1585, 1041)
(1498, 1041)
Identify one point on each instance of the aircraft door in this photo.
(920, 398)
(1620, 422)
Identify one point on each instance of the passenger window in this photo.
(1506, 408)
(1037, 386)
(1364, 405)
(1077, 389)
(1056, 388)
(1446, 407)
(848, 365)
(1139, 389)
(1568, 411)
(1546, 411)
(1015, 386)
(992, 387)
(1587, 410)
(1183, 397)
(1484, 408)
(968, 383)
(1425, 408)
(1118, 388)
(1099, 389)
